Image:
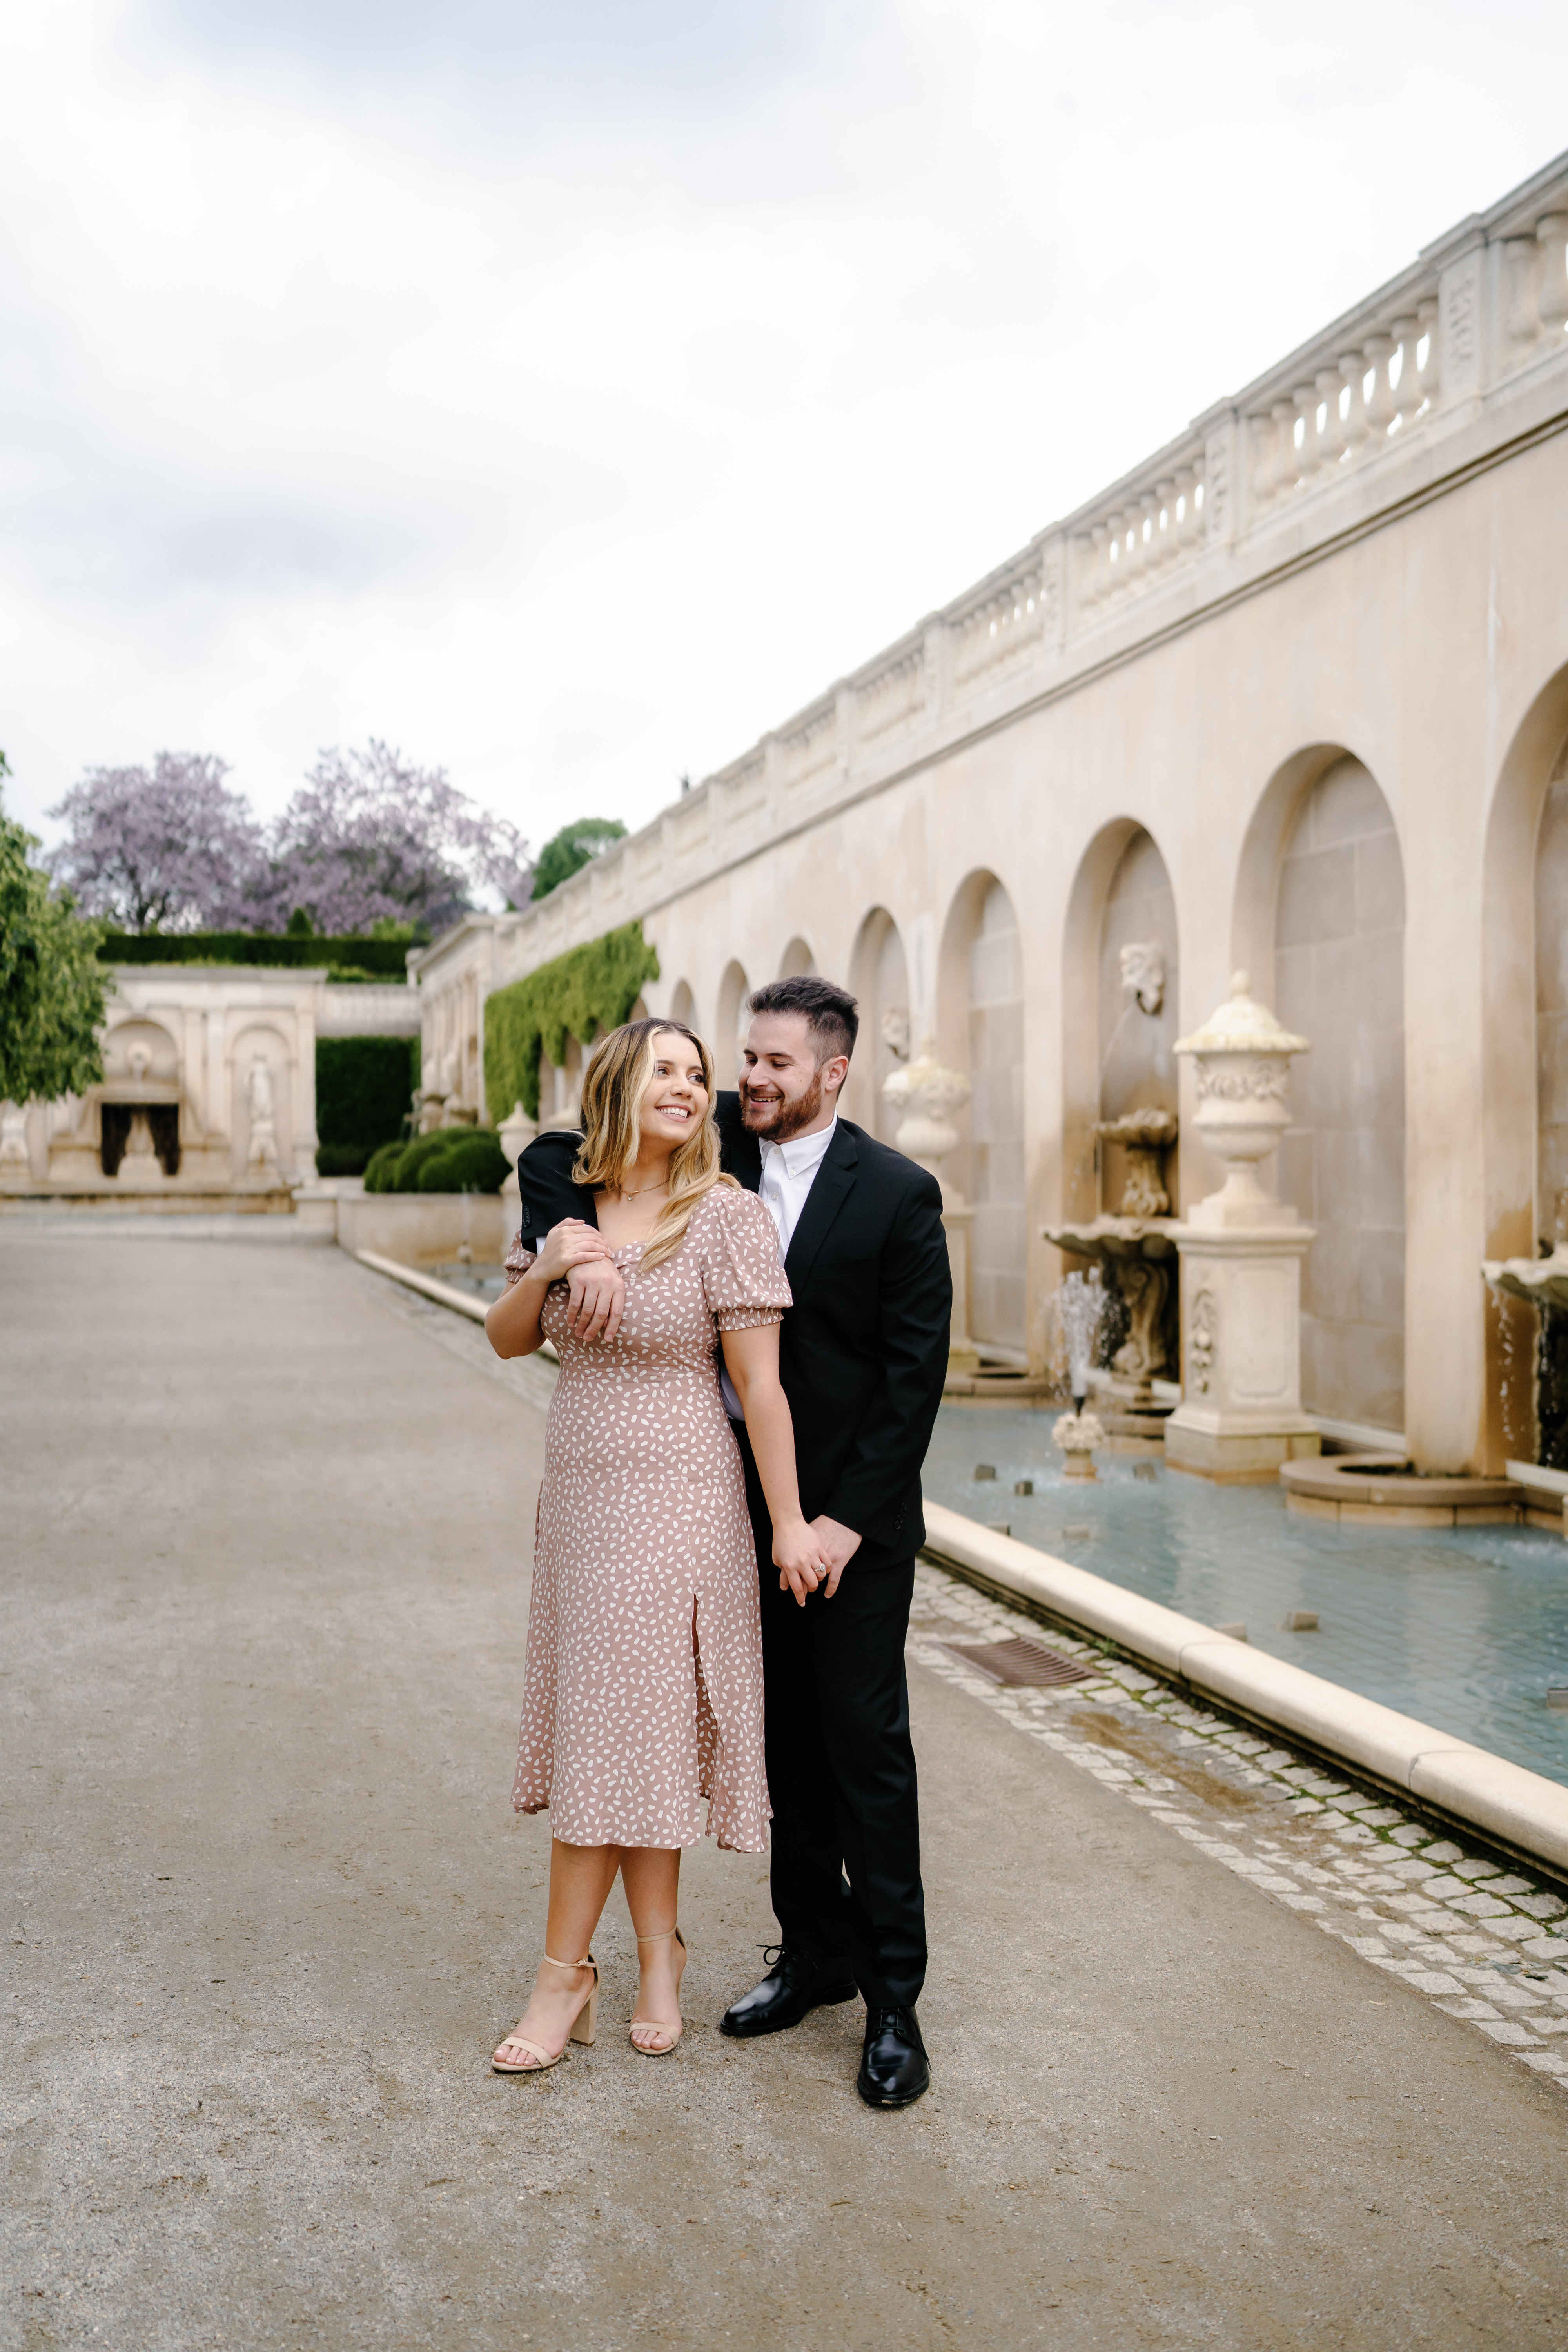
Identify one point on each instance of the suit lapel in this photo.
(835, 1182)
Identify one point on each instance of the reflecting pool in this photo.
(1465, 1628)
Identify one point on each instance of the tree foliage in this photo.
(165, 848)
(52, 986)
(369, 842)
(576, 845)
(589, 988)
(370, 838)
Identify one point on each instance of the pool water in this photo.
(1466, 1628)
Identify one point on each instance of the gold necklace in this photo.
(645, 1187)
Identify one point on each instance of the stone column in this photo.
(1241, 1251)
(516, 1132)
(305, 1137)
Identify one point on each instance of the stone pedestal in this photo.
(1240, 1416)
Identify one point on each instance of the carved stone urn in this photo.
(1240, 1416)
(927, 1094)
(1078, 1434)
(1242, 1059)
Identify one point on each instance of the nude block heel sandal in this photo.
(660, 2049)
(584, 2025)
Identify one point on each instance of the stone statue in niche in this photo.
(12, 1136)
(1143, 973)
(261, 1103)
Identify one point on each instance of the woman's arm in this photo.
(512, 1326)
(751, 1360)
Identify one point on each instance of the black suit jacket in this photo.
(863, 1350)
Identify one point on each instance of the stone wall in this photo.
(1338, 965)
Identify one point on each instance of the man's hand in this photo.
(836, 1546)
(596, 1297)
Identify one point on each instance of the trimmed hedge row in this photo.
(363, 1088)
(355, 959)
(452, 1159)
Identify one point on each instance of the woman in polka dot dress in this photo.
(643, 1684)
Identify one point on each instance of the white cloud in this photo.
(567, 402)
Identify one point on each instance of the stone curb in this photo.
(444, 1294)
(462, 1302)
(1518, 1809)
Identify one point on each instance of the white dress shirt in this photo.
(789, 1171)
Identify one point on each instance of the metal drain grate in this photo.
(1021, 1661)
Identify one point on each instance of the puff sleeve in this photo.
(518, 1260)
(743, 1274)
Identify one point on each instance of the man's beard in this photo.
(776, 1122)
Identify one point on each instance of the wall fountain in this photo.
(1080, 1312)
(1133, 1251)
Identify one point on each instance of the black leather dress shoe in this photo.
(797, 1983)
(894, 2068)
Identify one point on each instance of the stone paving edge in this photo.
(1519, 1810)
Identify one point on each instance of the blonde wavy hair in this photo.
(619, 1073)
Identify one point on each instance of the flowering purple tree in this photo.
(164, 848)
(368, 837)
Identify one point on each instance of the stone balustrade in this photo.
(1350, 422)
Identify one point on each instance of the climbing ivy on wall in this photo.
(588, 989)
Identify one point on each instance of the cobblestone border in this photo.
(1482, 1942)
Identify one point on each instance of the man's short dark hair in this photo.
(830, 1011)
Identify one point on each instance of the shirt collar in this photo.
(803, 1152)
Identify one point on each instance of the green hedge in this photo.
(350, 958)
(451, 1160)
(364, 1088)
(579, 993)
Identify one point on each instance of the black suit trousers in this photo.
(841, 1770)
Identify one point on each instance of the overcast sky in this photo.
(568, 391)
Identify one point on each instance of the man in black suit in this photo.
(863, 1353)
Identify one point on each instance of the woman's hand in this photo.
(798, 1555)
(569, 1244)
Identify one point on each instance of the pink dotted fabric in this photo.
(643, 1684)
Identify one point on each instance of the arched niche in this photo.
(561, 1086)
(683, 1006)
(730, 1024)
(258, 1042)
(980, 1030)
(1120, 1007)
(1524, 1084)
(1338, 978)
(879, 981)
(158, 1059)
(141, 1077)
(1137, 1001)
(796, 961)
